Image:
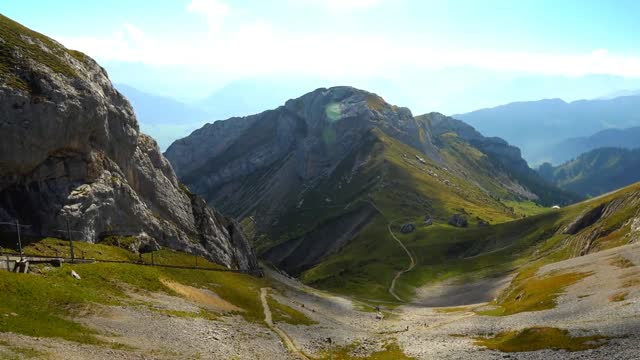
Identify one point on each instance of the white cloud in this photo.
(345, 5)
(257, 48)
(214, 10)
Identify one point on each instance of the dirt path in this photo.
(412, 264)
(412, 261)
(269, 320)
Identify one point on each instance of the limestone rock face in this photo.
(71, 150)
(297, 143)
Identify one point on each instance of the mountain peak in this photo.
(342, 102)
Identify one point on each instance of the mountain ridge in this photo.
(628, 138)
(596, 172)
(533, 125)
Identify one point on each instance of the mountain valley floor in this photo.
(596, 316)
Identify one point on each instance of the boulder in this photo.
(458, 220)
(407, 228)
(428, 220)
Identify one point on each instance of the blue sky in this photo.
(448, 56)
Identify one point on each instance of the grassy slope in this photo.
(21, 44)
(597, 171)
(540, 338)
(44, 304)
(366, 266)
(408, 191)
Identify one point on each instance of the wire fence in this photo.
(64, 252)
(7, 257)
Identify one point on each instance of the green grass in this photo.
(526, 208)
(9, 351)
(391, 351)
(46, 303)
(533, 293)
(124, 242)
(58, 247)
(173, 257)
(287, 314)
(540, 338)
(15, 50)
(365, 267)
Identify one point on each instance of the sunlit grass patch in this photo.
(45, 304)
(540, 338)
(529, 292)
(391, 351)
(287, 314)
(9, 351)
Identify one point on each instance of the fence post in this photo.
(70, 240)
(19, 240)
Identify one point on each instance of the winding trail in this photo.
(412, 264)
(288, 343)
(412, 260)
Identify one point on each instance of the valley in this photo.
(166, 322)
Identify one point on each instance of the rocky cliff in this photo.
(301, 141)
(71, 150)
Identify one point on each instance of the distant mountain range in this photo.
(620, 93)
(164, 118)
(534, 125)
(569, 149)
(595, 172)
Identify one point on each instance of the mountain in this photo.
(164, 118)
(620, 93)
(533, 125)
(569, 149)
(71, 154)
(324, 169)
(595, 172)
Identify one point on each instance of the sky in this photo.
(448, 56)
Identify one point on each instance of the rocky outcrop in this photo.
(458, 220)
(428, 220)
(71, 151)
(407, 228)
(584, 220)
